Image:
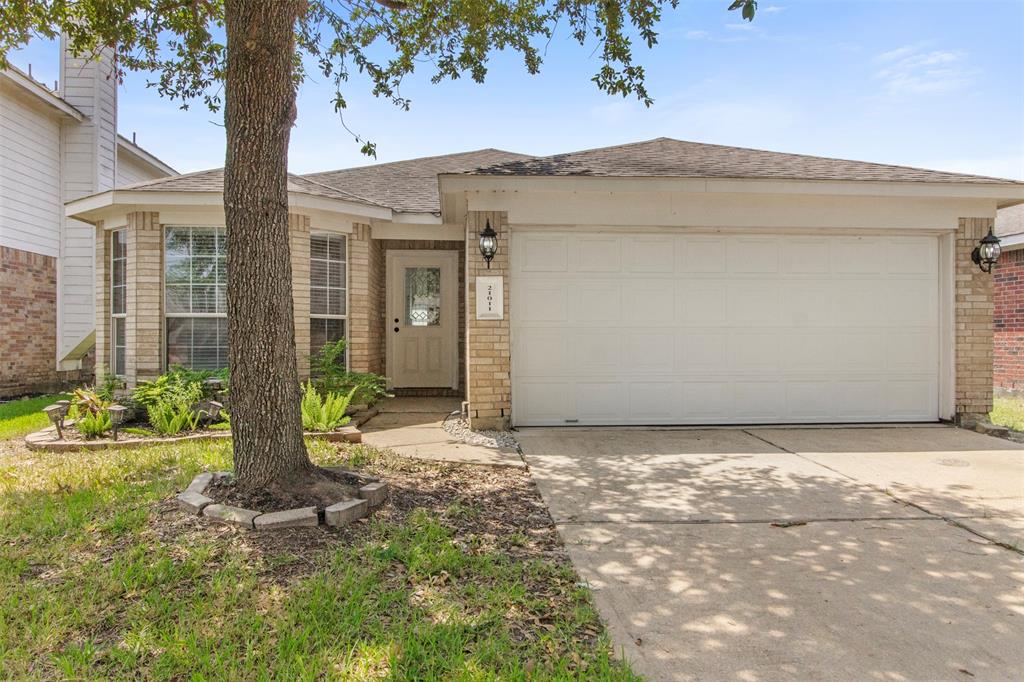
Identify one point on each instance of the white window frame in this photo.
(314, 316)
(123, 315)
(163, 277)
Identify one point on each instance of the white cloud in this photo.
(745, 26)
(912, 70)
(770, 9)
(696, 35)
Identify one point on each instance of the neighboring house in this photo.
(55, 145)
(1008, 361)
(661, 282)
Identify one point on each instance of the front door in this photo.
(422, 319)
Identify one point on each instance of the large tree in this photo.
(260, 65)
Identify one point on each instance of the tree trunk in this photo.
(259, 112)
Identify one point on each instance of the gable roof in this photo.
(410, 186)
(213, 181)
(666, 157)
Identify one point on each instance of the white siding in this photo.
(89, 152)
(130, 170)
(30, 205)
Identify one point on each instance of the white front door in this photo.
(422, 319)
(662, 328)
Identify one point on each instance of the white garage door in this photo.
(611, 328)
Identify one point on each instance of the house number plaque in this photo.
(490, 298)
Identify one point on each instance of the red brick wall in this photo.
(1008, 318)
(28, 325)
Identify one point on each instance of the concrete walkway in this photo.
(803, 554)
(412, 427)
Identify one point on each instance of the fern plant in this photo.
(171, 418)
(94, 424)
(324, 413)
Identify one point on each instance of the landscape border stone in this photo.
(372, 494)
(45, 439)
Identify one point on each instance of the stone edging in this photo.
(45, 439)
(372, 494)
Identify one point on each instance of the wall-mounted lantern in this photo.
(488, 243)
(986, 253)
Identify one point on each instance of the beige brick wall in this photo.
(973, 334)
(488, 362)
(145, 304)
(363, 308)
(298, 227)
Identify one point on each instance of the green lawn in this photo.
(21, 417)
(1008, 412)
(102, 578)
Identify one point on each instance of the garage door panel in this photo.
(543, 252)
(650, 254)
(649, 302)
(598, 254)
(649, 350)
(598, 402)
(753, 255)
(700, 329)
(806, 256)
(701, 303)
(596, 301)
(696, 255)
(809, 400)
(701, 351)
(542, 302)
(753, 303)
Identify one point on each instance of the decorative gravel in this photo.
(459, 429)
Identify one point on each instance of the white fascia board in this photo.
(41, 93)
(88, 209)
(129, 147)
(1008, 193)
(1012, 242)
(351, 208)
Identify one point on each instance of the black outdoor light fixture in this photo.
(488, 243)
(986, 253)
(116, 413)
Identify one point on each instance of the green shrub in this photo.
(94, 424)
(87, 401)
(176, 386)
(324, 413)
(327, 367)
(169, 418)
(111, 385)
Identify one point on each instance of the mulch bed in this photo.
(487, 508)
(329, 489)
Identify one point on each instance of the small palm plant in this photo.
(324, 413)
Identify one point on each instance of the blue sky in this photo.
(930, 83)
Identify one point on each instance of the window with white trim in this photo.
(118, 301)
(195, 297)
(328, 289)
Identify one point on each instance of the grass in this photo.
(1008, 412)
(22, 417)
(101, 578)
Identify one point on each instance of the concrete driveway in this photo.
(796, 553)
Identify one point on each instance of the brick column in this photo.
(102, 288)
(145, 305)
(298, 230)
(488, 349)
(365, 301)
(973, 322)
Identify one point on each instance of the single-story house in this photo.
(661, 282)
(1008, 294)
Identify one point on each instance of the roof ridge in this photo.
(335, 189)
(179, 176)
(414, 159)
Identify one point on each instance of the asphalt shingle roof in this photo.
(410, 186)
(666, 157)
(213, 181)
